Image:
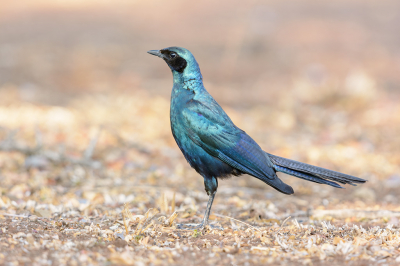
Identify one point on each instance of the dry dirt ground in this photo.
(73, 193)
(89, 171)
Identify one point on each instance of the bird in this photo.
(215, 147)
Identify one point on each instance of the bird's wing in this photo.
(209, 127)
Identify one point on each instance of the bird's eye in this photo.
(172, 55)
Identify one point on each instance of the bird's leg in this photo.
(211, 189)
(204, 222)
(208, 209)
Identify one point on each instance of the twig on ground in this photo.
(284, 221)
(87, 155)
(126, 227)
(346, 213)
(14, 215)
(249, 225)
(20, 216)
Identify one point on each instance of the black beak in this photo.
(156, 53)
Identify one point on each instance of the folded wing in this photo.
(208, 127)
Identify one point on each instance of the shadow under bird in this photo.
(215, 147)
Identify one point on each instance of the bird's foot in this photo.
(216, 227)
(199, 227)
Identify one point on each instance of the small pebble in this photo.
(120, 235)
(33, 218)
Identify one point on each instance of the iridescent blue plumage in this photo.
(214, 146)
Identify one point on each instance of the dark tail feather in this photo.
(312, 173)
(305, 176)
(278, 185)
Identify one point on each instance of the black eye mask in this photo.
(177, 63)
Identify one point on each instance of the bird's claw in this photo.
(216, 227)
(191, 226)
(199, 227)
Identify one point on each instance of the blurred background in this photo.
(84, 110)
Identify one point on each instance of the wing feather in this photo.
(208, 128)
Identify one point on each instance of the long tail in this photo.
(312, 173)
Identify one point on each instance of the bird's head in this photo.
(181, 62)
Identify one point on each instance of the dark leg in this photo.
(211, 186)
(208, 209)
